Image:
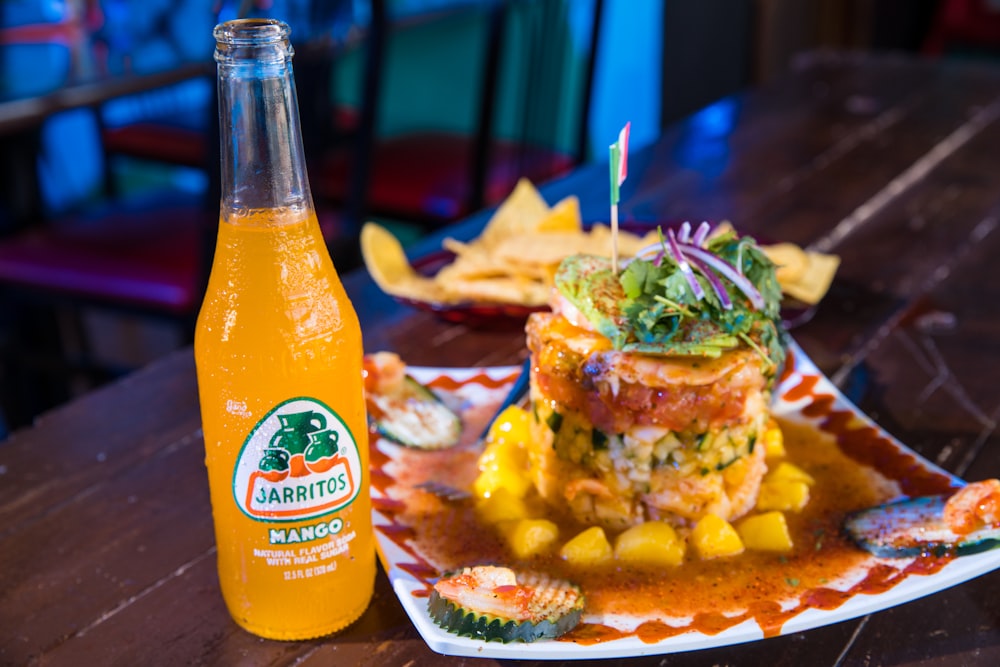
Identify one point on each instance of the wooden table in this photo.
(106, 545)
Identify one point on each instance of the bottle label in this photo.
(299, 462)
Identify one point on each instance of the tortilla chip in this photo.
(476, 264)
(549, 248)
(630, 244)
(500, 290)
(515, 258)
(600, 237)
(723, 227)
(789, 259)
(537, 249)
(815, 281)
(528, 270)
(458, 247)
(520, 212)
(390, 269)
(564, 217)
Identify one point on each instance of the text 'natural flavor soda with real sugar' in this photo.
(279, 361)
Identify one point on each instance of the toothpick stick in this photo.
(619, 170)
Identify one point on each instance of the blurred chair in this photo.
(528, 60)
(329, 127)
(320, 30)
(147, 255)
(174, 137)
(168, 126)
(43, 266)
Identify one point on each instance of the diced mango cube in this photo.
(714, 537)
(503, 465)
(789, 472)
(765, 532)
(490, 480)
(653, 543)
(774, 441)
(782, 494)
(511, 425)
(530, 537)
(501, 505)
(590, 547)
(503, 454)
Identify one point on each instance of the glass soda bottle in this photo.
(278, 353)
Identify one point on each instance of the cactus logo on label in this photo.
(299, 462)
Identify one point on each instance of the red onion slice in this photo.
(684, 232)
(650, 252)
(717, 286)
(728, 271)
(701, 234)
(705, 261)
(682, 264)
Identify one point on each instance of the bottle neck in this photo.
(262, 160)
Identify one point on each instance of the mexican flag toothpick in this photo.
(619, 170)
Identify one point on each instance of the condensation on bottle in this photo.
(278, 353)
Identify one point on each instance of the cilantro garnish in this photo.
(653, 307)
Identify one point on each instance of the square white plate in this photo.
(803, 394)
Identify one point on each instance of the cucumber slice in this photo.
(414, 416)
(913, 527)
(534, 607)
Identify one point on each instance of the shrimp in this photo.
(974, 506)
(729, 494)
(687, 497)
(592, 501)
(384, 372)
(488, 590)
(591, 486)
(562, 306)
(742, 480)
(495, 603)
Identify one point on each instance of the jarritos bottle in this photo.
(278, 353)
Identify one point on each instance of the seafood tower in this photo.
(650, 389)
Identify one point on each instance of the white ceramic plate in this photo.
(803, 394)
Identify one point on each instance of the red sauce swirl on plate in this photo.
(823, 571)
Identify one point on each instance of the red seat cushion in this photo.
(963, 23)
(346, 118)
(427, 175)
(156, 141)
(146, 256)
